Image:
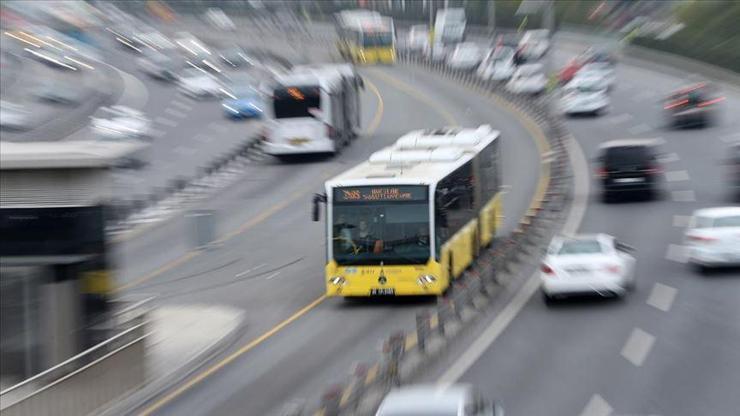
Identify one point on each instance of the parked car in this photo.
(528, 79)
(418, 39)
(584, 99)
(159, 66)
(197, 83)
(436, 52)
(243, 102)
(465, 56)
(629, 166)
(438, 400)
(236, 57)
(599, 74)
(713, 238)
(535, 43)
(120, 122)
(595, 264)
(498, 65)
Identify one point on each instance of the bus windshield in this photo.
(388, 224)
(294, 102)
(377, 39)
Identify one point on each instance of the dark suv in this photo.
(629, 166)
(692, 106)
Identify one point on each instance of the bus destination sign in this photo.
(380, 193)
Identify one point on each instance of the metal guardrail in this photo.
(83, 383)
(406, 353)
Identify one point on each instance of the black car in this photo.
(629, 166)
(692, 106)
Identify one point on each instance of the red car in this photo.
(569, 70)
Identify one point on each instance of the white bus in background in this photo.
(315, 109)
(449, 26)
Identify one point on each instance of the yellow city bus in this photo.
(414, 216)
(366, 37)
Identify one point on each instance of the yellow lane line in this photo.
(372, 373)
(221, 364)
(378, 112)
(408, 89)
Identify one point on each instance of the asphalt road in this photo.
(270, 263)
(671, 348)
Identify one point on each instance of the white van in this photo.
(315, 109)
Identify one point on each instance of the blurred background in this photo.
(136, 135)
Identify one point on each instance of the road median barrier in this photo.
(406, 355)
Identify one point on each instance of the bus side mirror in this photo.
(362, 82)
(317, 198)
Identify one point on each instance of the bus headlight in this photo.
(338, 281)
(426, 279)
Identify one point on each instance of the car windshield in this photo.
(580, 247)
(729, 221)
(294, 102)
(374, 224)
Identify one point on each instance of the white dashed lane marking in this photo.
(683, 196)
(597, 406)
(670, 158)
(681, 221)
(662, 297)
(677, 253)
(677, 175)
(638, 347)
(730, 138)
(182, 106)
(175, 113)
(165, 121)
(639, 129)
(621, 118)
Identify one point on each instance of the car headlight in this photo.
(338, 281)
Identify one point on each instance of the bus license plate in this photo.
(385, 291)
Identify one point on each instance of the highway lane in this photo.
(272, 280)
(668, 349)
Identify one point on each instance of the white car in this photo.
(436, 52)
(197, 83)
(465, 56)
(584, 100)
(121, 123)
(535, 43)
(528, 79)
(713, 238)
(587, 264)
(418, 38)
(498, 65)
(601, 73)
(437, 400)
(14, 116)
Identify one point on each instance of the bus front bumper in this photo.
(365, 287)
